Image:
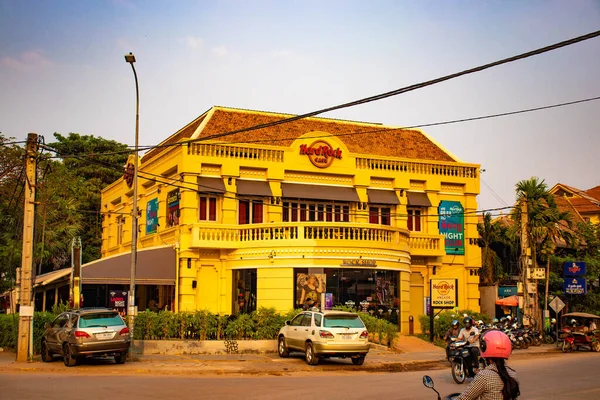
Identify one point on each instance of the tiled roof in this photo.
(383, 141)
(584, 206)
(594, 192)
(564, 205)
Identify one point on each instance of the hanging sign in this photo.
(451, 225)
(575, 286)
(173, 208)
(152, 216)
(574, 268)
(444, 293)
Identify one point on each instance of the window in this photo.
(414, 219)
(342, 321)
(100, 320)
(244, 291)
(297, 321)
(250, 212)
(120, 229)
(380, 215)
(208, 208)
(322, 212)
(318, 318)
(306, 320)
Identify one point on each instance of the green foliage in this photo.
(9, 328)
(267, 322)
(243, 327)
(443, 321)
(383, 331)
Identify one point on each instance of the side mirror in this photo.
(287, 322)
(428, 382)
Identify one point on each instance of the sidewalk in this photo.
(410, 355)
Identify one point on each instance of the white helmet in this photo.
(553, 321)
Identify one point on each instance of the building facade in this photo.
(310, 212)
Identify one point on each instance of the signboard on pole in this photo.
(575, 286)
(536, 273)
(451, 225)
(506, 291)
(444, 293)
(574, 268)
(557, 304)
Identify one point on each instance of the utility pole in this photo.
(76, 271)
(26, 308)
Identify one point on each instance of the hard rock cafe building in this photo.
(315, 211)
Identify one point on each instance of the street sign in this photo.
(557, 304)
(575, 286)
(574, 268)
(536, 273)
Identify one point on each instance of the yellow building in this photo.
(311, 211)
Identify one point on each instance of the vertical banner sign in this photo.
(173, 208)
(444, 293)
(152, 216)
(451, 225)
(117, 300)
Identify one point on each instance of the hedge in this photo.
(443, 321)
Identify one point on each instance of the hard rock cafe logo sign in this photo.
(443, 288)
(320, 153)
(128, 174)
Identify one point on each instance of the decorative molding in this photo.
(294, 176)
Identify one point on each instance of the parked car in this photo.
(323, 334)
(87, 332)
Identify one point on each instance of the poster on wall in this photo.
(173, 208)
(117, 300)
(309, 288)
(451, 224)
(444, 293)
(152, 216)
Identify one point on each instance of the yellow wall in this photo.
(215, 249)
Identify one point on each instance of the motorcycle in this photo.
(459, 352)
(428, 383)
(575, 340)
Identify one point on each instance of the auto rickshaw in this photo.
(576, 333)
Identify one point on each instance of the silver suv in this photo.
(87, 332)
(320, 334)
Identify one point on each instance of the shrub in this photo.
(443, 321)
(267, 322)
(243, 327)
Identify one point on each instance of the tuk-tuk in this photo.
(580, 330)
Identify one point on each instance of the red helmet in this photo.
(495, 344)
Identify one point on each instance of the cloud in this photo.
(195, 43)
(282, 54)
(26, 60)
(221, 51)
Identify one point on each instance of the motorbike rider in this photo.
(453, 331)
(470, 334)
(496, 381)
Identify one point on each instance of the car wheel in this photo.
(46, 354)
(360, 360)
(121, 358)
(311, 357)
(68, 358)
(282, 347)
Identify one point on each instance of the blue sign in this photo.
(451, 225)
(575, 286)
(507, 291)
(573, 268)
(152, 216)
(428, 305)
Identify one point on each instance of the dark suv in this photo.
(87, 332)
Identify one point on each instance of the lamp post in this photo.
(130, 58)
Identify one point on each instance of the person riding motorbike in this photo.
(453, 331)
(497, 381)
(470, 334)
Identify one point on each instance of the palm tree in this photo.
(489, 233)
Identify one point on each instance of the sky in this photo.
(62, 70)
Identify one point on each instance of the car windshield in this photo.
(100, 320)
(342, 321)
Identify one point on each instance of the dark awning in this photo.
(418, 199)
(253, 188)
(382, 197)
(319, 192)
(153, 267)
(210, 185)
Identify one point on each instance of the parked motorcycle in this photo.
(576, 340)
(428, 382)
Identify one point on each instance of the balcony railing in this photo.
(208, 236)
(417, 167)
(426, 245)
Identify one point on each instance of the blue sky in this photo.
(62, 70)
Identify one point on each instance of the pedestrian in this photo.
(497, 381)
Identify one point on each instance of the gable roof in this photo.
(376, 139)
(594, 192)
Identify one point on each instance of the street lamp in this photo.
(130, 58)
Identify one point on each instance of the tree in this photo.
(489, 233)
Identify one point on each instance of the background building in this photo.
(311, 211)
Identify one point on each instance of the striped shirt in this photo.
(487, 385)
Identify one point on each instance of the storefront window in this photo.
(414, 219)
(244, 291)
(373, 291)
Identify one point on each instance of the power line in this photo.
(493, 191)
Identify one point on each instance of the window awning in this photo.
(211, 185)
(382, 197)
(253, 188)
(319, 192)
(418, 199)
(154, 267)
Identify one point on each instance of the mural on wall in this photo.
(309, 288)
(152, 216)
(173, 208)
(451, 224)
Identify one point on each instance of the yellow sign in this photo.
(536, 273)
(444, 293)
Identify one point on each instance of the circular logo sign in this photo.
(321, 153)
(443, 288)
(128, 174)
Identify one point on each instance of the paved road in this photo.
(561, 376)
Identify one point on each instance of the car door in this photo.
(293, 336)
(305, 330)
(52, 336)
